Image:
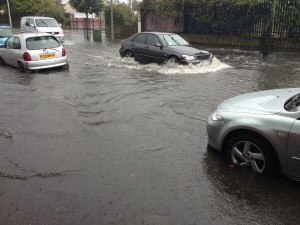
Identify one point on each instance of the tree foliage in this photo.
(19, 8)
(88, 6)
(122, 15)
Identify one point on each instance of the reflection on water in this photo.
(244, 195)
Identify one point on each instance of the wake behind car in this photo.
(5, 33)
(161, 48)
(259, 130)
(33, 51)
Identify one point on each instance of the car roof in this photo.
(5, 26)
(37, 17)
(28, 35)
(156, 32)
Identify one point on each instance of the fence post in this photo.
(266, 44)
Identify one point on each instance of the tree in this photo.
(122, 15)
(19, 8)
(88, 7)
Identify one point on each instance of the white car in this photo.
(33, 51)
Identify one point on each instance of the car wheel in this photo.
(128, 54)
(2, 63)
(66, 66)
(248, 150)
(21, 67)
(171, 60)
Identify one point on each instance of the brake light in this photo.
(26, 56)
(64, 53)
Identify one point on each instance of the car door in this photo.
(138, 45)
(7, 50)
(16, 52)
(294, 150)
(153, 51)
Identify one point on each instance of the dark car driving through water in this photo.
(162, 48)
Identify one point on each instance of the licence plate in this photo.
(47, 55)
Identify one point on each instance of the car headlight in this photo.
(188, 57)
(216, 117)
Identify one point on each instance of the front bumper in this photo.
(214, 131)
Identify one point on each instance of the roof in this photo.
(27, 35)
(3, 26)
(38, 17)
(64, 2)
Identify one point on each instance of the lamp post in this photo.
(9, 13)
(112, 20)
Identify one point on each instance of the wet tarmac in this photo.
(112, 141)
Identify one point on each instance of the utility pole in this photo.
(112, 20)
(9, 13)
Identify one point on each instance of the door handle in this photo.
(147, 47)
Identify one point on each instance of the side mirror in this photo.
(158, 45)
(59, 24)
(32, 25)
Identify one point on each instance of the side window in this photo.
(152, 39)
(17, 43)
(27, 23)
(141, 38)
(9, 42)
(31, 22)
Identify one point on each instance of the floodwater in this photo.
(112, 141)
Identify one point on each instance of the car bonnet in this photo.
(263, 102)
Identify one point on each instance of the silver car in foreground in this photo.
(260, 130)
(33, 51)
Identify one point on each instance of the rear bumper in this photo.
(43, 64)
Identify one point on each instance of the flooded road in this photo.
(112, 141)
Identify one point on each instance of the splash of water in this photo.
(203, 67)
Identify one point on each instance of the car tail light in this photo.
(26, 56)
(64, 53)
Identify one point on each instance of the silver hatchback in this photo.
(259, 130)
(33, 51)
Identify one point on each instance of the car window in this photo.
(16, 43)
(5, 32)
(152, 39)
(174, 39)
(31, 22)
(140, 38)
(42, 42)
(46, 23)
(9, 42)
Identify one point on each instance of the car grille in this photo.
(53, 32)
(202, 56)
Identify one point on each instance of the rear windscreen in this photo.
(41, 42)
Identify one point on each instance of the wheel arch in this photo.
(253, 133)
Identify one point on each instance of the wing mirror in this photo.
(158, 45)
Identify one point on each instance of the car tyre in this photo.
(128, 54)
(171, 60)
(248, 150)
(2, 63)
(21, 67)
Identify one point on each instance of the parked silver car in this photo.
(33, 51)
(260, 130)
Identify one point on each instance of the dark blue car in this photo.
(5, 33)
(161, 48)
